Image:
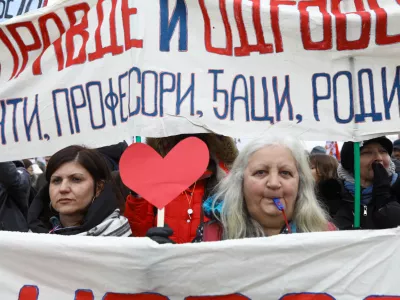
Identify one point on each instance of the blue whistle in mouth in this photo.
(278, 204)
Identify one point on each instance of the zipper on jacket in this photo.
(365, 210)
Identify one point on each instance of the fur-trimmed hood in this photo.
(222, 148)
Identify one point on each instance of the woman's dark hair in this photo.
(90, 159)
(124, 190)
(27, 163)
(325, 165)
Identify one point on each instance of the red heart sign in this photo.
(160, 180)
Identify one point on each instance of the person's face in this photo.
(71, 188)
(271, 173)
(369, 154)
(30, 170)
(396, 153)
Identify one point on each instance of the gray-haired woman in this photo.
(268, 169)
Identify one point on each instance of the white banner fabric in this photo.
(352, 265)
(94, 72)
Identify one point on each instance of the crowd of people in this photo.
(273, 186)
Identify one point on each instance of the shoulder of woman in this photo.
(332, 227)
(212, 232)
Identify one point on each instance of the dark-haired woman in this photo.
(327, 186)
(80, 197)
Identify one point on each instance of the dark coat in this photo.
(328, 193)
(370, 217)
(397, 164)
(15, 188)
(41, 181)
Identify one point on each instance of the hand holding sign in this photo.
(160, 180)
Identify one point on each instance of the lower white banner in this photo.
(320, 266)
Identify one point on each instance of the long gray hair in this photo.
(236, 220)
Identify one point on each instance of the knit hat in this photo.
(347, 152)
(396, 144)
(318, 150)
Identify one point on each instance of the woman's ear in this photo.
(99, 188)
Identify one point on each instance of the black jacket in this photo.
(328, 193)
(370, 217)
(15, 188)
(40, 213)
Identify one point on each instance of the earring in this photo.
(93, 199)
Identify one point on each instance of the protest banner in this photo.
(352, 265)
(94, 72)
(11, 8)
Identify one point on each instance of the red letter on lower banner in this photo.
(307, 296)
(144, 296)
(75, 30)
(382, 298)
(225, 297)
(28, 292)
(84, 295)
